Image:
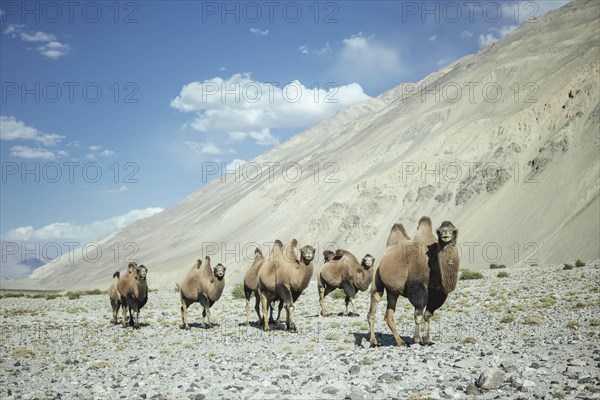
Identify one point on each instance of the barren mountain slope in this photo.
(504, 143)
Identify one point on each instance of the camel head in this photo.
(141, 273)
(307, 253)
(328, 255)
(219, 271)
(132, 268)
(368, 261)
(447, 233)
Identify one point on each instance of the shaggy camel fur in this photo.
(284, 276)
(344, 271)
(251, 287)
(203, 284)
(133, 292)
(423, 270)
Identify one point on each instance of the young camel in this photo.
(251, 287)
(202, 284)
(133, 292)
(344, 271)
(424, 270)
(284, 276)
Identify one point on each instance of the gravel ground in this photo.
(533, 334)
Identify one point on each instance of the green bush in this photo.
(93, 292)
(567, 267)
(238, 291)
(338, 294)
(579, 263)
(497, 266)
(73, 295)
(468, 274)
(502, 274)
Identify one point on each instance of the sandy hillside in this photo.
(504, 143)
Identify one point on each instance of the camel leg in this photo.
(115, 311)
(392, 298)
(136, 318)
(279, 308)
(247, 295)
(376, 293)
(350, 293)
(321, 289)
(184, 306)
(435, 300)
(203, 300)
(124, 313)
(264, 301)
(285, 294)
(417, 295)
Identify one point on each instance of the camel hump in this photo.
(294, 243)
(424, 230)
(198, 263)
(257, 253)
(278, 243)
(328, 255)
(397, 235)
(116, 274)
(424, 222)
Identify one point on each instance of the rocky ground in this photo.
(533, 334)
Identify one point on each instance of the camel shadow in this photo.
(259, 325)
(384, 339)
(202, 325)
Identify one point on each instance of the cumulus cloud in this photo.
(78, 232)
(366, 60)
(54, 50)
(466, 35)
(31, 153)
(37, 37)
(244, 108)
(497, 34)
(259, 32)
(323, 50)
(51, 48)
(11, 129)
(203, 148)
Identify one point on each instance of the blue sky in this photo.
(136, 89)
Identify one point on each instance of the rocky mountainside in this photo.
(504, 143)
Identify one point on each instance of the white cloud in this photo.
(258, 32)
(432, 38)
(204, 148)
(323, 50)
(90, 156)
(444, 61)
(12, 29)
(368, 61)
(222, 69)
(54, 50)
(233, 165)
(243, 108)
(108, 153)
(95, 147)
(11, 129)
(486, 40)
(120, 189)
(31, 153)
(80, 233)
(466, 35)
(37, 37)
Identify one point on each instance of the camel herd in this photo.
(423, 269)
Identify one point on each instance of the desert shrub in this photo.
(502, 274)
(73, 295)
(497, 266)
(468, 274)
(579, 263)
(238, 291)
(338, 294)
(567, 267)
